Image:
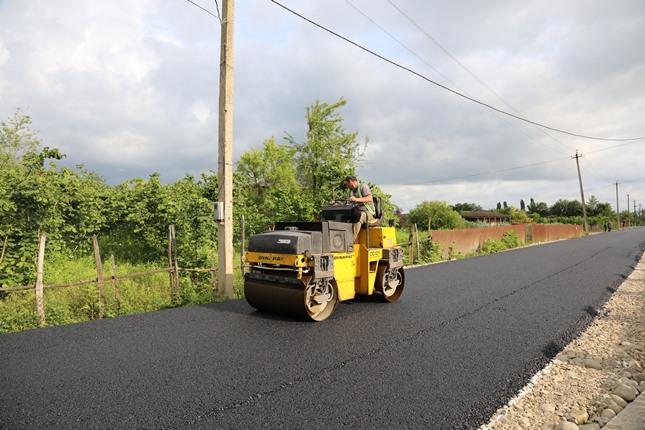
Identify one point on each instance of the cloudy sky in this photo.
(130, 88)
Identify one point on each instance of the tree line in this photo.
(442, 215)
(568, 212)
(278, 181)
(291, 180)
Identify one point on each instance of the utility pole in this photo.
(635, 212)
(224, 212)
(628, 217)
(617, 210)
(582, 195)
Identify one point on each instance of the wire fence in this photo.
(172, 269)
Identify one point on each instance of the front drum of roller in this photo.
(305, 298)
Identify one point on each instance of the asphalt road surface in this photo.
(464, 338)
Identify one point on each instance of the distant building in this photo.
(486, 217)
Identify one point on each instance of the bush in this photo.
(432, 252)
(511, 239)
(491, 246)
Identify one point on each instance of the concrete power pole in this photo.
(582, 195)
(224, 211)
(617, 210)
(628, 217)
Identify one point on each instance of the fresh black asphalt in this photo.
(464, 338)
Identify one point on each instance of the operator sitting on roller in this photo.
(361, 194)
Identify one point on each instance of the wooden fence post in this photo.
(243, 240)
(416, 230)
(117, 294)
(40, 298)
(172, 261)
(4, 248)
(171, 273)
(213, 273)
(99, 275)
(411, 250)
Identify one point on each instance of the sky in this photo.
(130, 88)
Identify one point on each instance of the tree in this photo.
(294, 181)
(31, 199)
(443, 217)
(540, 208)
(329, 153)
(517, 217)
(16, 140)
(138, 220)
(466, 207)
(605, 210)
(522, 205)
(269, 190)
(566, 208)
(592, 206)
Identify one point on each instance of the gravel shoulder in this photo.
(593, 382)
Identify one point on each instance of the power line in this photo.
(206, 10)
(586, 160)
(501, 118)
(470, 72)
(217, 8)
(487, 173)
(615, 146)
(387, 60)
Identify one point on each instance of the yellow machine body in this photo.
(288, 271)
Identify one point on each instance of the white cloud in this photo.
(131, 88)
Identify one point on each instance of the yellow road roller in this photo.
(304, 269)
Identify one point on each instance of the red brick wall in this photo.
(546, 233)
(470, 240)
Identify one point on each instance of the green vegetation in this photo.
(440, 215)
(279, 182)
(275, 182)
(448, 217)
(566, 212)
(510, 240)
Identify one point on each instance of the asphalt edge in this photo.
(632, 417)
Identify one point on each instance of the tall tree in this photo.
(592, 205)
(268, 189)
(329, 153)
(17, 139)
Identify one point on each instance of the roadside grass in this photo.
(67, 305)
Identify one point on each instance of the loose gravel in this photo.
(595, 377)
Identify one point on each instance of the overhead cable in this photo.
(471, 73)
(407, 69)
(206, 10)
(488, 173)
